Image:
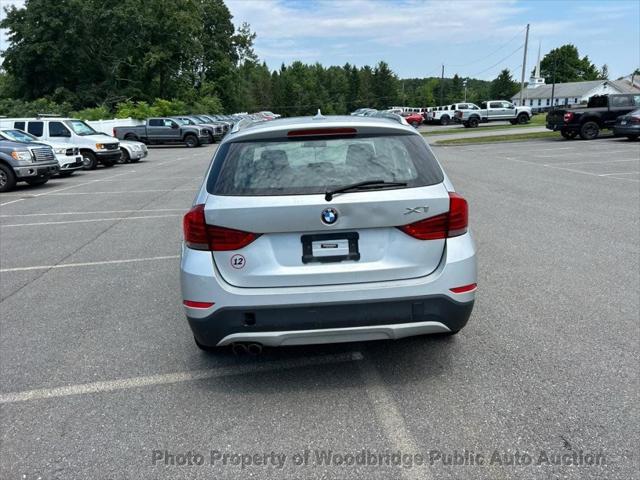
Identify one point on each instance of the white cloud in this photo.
(376, 21)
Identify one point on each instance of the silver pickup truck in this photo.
(161, 130)
(33, 163)
(493, 111)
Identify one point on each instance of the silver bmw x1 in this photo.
(325, 229)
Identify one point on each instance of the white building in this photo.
(537, 94)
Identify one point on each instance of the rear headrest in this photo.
(276, 159)
(359, 154)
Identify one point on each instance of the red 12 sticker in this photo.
(238, 261)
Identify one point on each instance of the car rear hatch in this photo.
(292, 235)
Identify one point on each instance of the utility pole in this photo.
(442, 86)
(553, 85)
(524, 63)
(465, 88)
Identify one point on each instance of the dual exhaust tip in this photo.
(241, 348)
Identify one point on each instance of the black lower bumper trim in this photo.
(226, 321)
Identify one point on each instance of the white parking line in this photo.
(553, 149)
(619, 173)
(596, 162)
(591, 151)
(88, 264)
(169, 378)
(112, 193)
(88, 220)
(391, 420)
(148, 179)
(54, 192)
(519, 160)
(91, 213)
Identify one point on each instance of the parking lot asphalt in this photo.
(100, 377)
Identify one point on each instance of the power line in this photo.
(499, 61)
(492, 53)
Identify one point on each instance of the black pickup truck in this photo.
(161, 130)
(600, 112)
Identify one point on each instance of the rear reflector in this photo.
(450, 224)
(465, 288)
(192, 304)
(200, 236)
(321, 132)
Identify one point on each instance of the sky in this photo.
(473, 38)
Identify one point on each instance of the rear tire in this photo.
(191, 141)
(473, 122)
(569, 134)
(633, 137)
(108, 163)
(7, 178)
(444, 120)
(513, 122)
(131, 136)
(589, 131)
(523, 118)
(89, 160)
(66, 173)
(36, 182)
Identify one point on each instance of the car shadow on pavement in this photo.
(332, 366)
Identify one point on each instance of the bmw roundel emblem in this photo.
(329, 216)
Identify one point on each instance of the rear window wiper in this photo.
(369, 184)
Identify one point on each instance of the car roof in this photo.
(279, 127)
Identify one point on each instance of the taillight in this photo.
(200, 236)
(114, 131)
(568, 117)
(446, 225)
(192, 304)
(465, 288)
(634, 119)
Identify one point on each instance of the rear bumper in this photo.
(329, 313)
(333, 323)
(567, 127)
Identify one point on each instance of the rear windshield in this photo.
(298, 167)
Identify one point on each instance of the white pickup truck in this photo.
(493, 111)
(444, 115)
(94, 147)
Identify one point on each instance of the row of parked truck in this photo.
(32, 150)
(468, 114)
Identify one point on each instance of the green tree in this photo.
(504, 87)
(365, 87)
(124, 50)
(568, 66)
(385, 86)
(456, 91)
